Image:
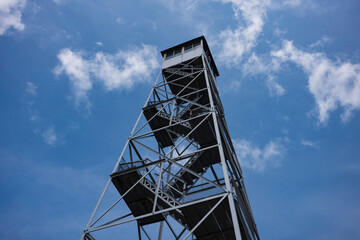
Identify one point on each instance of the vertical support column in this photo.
(222, 157)
(139, 230)
(161, 228)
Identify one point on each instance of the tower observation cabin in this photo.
(178, 176)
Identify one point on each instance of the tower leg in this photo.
(139, 230)
(222, 157)
(161, 230)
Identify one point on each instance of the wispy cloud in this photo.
(31, 88)
(60, 2)
(267, 67)
(125, 68)
(262, 64)
(321, 42)
(153, 24)
(274, 87)
(50, 137)
(257, 159)
(251, 17)
(279, 32)
(44, 185)
(309, 143)
(293, 3)
(10, 15)
(99, 43)
(115, 71)
(77, 69)
(120, 20)
(29, 100)
(34, 116)
(46, 173)
(333, 83)
(236, 42)
(190, 12)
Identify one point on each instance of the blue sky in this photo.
(75, 74)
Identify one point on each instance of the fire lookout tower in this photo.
(178, 173)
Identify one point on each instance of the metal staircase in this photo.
(160, 193)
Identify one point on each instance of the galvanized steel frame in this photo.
(231, 170)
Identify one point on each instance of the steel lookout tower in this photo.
(178, 176)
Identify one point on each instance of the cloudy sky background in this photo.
(75, 74)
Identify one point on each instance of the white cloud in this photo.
(184, 7)
(279, 32)
(260, 65)
(60, 2)
(274, 87)
(125, 68)
(292, 3)
(120, 20)
(34, 117)
(99, 43)
(10, 15)
(115, 71)
(252, 157)
(333, 83)
(321, 42)
(267, 67)
(309, 143)
(77, 69)
(50, 136)
(31, 88)
(153, 24)
(190, 13)
(235, 43)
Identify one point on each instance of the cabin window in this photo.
(177, 52)
(188, 47)
(196, 44)
(169, 55)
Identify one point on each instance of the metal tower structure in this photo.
(178, 172)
